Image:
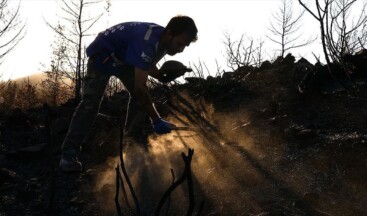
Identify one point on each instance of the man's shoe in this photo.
(69, 162)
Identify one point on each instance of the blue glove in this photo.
(161, 126)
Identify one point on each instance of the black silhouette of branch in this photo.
(219, 72)
(169, 197)
(187, 173)
(122, 164)
(190, 185)
(201, 207)
(118, 208)
(285, 28)
(77, 23)
(124, 190)
(198, 69)
(244, 52)
(323, 12)
(342, 30)
(12, 28)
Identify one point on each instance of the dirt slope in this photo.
(261, 148)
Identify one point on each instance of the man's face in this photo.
(177, 44)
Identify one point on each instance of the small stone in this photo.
(33, 149)
(7, 175)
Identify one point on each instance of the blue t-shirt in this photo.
(135, 43)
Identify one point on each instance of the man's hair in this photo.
(183, 24)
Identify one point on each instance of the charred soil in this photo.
(261, 148)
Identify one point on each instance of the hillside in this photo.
(33, 79)
(260, 148)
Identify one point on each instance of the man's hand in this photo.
(171, 70)
(161, 126)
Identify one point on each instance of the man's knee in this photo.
(134, 102)
(88, 106)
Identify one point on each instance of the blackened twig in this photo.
(169, 197)
(122, 164)
(190, 186)
(117, 203)
(169, 191)
(187, 160)
(124, 191)
(201, 207)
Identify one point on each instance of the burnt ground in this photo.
(261, 148)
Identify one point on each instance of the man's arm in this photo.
(141, 91)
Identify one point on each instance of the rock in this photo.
(265, 65)
(305, 134)
(31, 152)
(303, 66)
(194, 80)
(357, 64)
(77, 201)
(18, 119)
(278, 60)
(34, 150)
(7, 175)
(289, 59)
(242, 71)
(227, 75)
(210, 78)
(303, 61)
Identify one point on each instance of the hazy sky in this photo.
(213, 18)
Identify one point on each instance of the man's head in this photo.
(178, 34)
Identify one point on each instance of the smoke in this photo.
(241, 166)
(227, 163)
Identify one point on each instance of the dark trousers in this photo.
(94, 86)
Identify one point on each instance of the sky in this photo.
(213, 19)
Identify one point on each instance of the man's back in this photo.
(135, 43)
